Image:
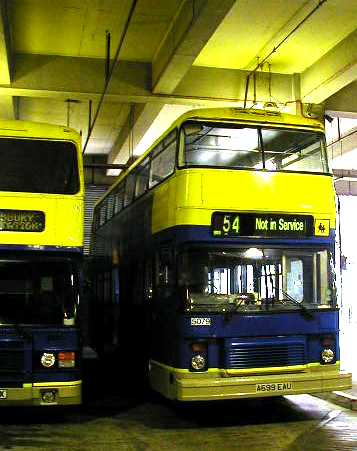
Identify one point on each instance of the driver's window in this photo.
(293, 280)
(164, 272)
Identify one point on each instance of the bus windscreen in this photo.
(249, 147)
(37, 292)
(38, 166)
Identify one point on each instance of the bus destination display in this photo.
(247, 224)
(22, 221)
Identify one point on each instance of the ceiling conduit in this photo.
(110, 72)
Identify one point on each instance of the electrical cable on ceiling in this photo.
(110, 73)
(318, 6)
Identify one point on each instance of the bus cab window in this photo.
(164, 277)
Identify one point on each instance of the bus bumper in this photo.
(43, 394)
(235, 387)
(183, 385)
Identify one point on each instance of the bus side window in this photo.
(102, 214)
(110, 205)
(119, 199)
(142, 178)
(96, 219)
(129, 189)
(163, 164)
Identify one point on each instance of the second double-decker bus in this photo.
(215, 259)
(41, 241)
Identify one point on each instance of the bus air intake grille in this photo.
(244, 354)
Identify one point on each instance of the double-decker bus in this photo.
(41, 242)
(215, 259)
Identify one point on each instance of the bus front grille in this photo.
(244, 354)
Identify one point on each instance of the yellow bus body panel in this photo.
(64, 215)
(63, 219)
(190, 196)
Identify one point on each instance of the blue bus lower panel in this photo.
(248, 341)
(21, 350)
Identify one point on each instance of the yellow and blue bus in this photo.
(214, 259)
(41, 243)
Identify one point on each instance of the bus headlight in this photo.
(198, 362)
(48, 359)
(327, 355)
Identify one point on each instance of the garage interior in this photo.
(120, 72)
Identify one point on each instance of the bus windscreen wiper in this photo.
(304, 310)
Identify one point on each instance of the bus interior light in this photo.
(254, 253)
(66, 359)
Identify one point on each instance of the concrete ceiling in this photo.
(176, 55)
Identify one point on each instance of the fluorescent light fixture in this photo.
(254, 253)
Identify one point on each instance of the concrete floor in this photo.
(122, 422)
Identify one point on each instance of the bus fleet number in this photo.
(200, 321)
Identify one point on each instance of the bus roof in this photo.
(252, 116)
(40, 130)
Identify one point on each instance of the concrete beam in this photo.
(213, 83)
(346, 188)
(140, 120)
(60, 77)
(191, 28)
(7, 105)
(343, 146)
(332, 72)
(343, 101)
(345, 173)
(77, 78)
(8, 108)
(301, 12)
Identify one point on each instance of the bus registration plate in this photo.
(278, 386)
(3, 393)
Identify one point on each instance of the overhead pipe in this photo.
(111, 70)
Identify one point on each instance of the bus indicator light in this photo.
(66, 359)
